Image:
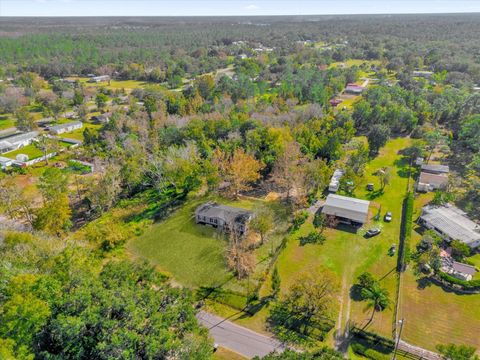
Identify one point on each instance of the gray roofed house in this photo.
(223, 217)
(435, 168)
(346, 209)
(451, 223)
(5, 162)
(16, 142)
(67, 127)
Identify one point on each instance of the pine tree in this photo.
(275, 282)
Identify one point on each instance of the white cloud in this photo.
(251, 7)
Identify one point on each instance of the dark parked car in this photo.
(370, 187)
(388, 216)
(392, 250)
(373, 232)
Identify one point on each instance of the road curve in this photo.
(237, 338)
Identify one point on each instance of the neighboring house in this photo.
(5, 162)
(354, 89)
(223, 217)
(431, 182)
(102, 118)
(424, 74)
(435, 169)
(97, 79)
(346, 209)
(451, 223)
(454, 268)
(16, 142)
(67, 127)
(335, 180)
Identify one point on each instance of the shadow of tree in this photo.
(356, 293)
(423, 283)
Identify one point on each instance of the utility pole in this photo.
(401, 321)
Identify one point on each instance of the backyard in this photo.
(454, 317)
(194, 254)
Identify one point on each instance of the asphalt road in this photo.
(237, 338)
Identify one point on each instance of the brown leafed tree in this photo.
(289, 172)
(239, 169)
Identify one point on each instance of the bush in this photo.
(468, 285)
(312, 238)
(298, 220)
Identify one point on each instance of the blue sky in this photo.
(228, 7)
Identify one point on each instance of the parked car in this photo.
(370, 187)
(373, 232)
(388, 216)
(392, 250)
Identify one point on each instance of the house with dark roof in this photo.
(347, 210)
(225, 218)
(354, 89)
(451, 223)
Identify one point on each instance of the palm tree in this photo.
(378, 299)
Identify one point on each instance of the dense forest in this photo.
(198, 109)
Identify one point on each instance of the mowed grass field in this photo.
(194, 255)
(6, 121)
(346, 254)
(128, 85)
(435, 316)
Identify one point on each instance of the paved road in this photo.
(237, 338)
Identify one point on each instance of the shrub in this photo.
(312, 238)
(298, 220)
(468, 285)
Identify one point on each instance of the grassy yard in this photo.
(78, 133)
(194, 254)
(128, 85)
(6, 121)
(32, 151)
(433, 315)
(346, 254)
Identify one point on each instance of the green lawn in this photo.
(78, 134)
(128, 85)
(6, 121)
(433, 315)
(345, 254)
(32, 151)
(192, 254)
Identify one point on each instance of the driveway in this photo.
(237, 338)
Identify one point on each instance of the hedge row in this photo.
(363, 350)
(405, 231)
(468, 285)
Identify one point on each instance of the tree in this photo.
(263, 222)
(101, 101)
(457, 352)
(384, 175)
(54, 216)
(377, 137)
(82, 112)
(433, 139)
(276, 282)
(322, 354)
(78, 97)
(460, 250)
(240, 259)
(205, 85)
(305, 310)
(288, 174)
(24, 120)
(371, 291)
(317, 175)
(47, 145)
(239, 170)
(16, 202)
(150, 104)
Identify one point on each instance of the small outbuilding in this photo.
(347, 209)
